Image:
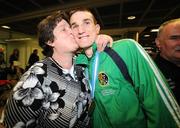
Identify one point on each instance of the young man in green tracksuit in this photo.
(147, 103)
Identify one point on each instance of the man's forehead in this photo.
(81, 14)
(171, 29)
(175, 25)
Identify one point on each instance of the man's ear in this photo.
(97, 28)
(158, 45)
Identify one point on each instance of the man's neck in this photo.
(89, 52)
(176, 62)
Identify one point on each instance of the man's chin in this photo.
(84, 45)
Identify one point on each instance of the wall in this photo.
(25, 48)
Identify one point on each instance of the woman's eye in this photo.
(63, 29)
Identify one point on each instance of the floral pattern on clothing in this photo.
(48, 95)
(29, 90)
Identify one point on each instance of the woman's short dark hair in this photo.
(45, 30)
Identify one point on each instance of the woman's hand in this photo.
(102, 40)
(2, 126)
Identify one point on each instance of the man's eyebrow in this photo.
(174, 36)
(74, 23)
(87, 19)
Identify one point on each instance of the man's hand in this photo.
(102, 40)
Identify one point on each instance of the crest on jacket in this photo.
(103, 78)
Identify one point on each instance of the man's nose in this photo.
(80, 30)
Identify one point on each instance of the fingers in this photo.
(102, 41)
(110, 41)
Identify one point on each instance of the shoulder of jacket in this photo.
(125, 44)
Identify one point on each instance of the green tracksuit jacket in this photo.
(147, 104)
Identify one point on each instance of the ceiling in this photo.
(24, 15)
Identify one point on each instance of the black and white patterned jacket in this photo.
(45, 97)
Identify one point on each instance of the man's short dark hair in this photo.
(74, 10)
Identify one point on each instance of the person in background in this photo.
(54, 92)
(146, 103)
(14, 67)
(3, 68)
(33, 57)
(14, 57)
(168, 58)
(3, 75)
(5, 83)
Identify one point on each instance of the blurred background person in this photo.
(3, 73)
(15, 71)
(33, 57)
(168, 58)
(14, 57)
(5, 84)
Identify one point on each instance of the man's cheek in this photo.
(77, 40)
(74, 32)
